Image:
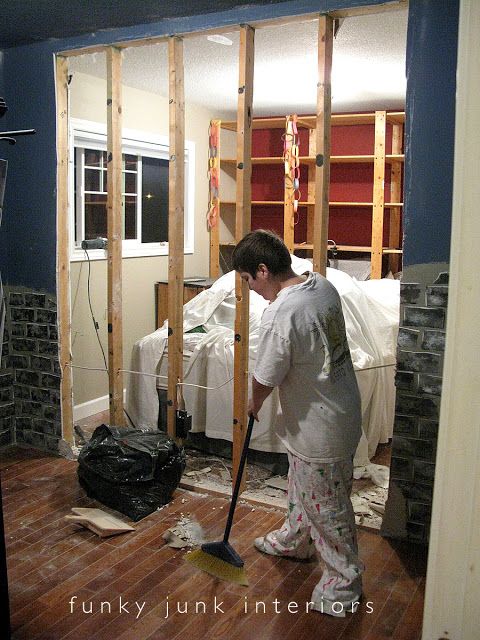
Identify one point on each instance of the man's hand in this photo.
(259, 394)
(252, 410)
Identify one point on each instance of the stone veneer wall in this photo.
(30, 377)
(421, 343)
(7, 407)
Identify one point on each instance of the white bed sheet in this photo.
(371, 311)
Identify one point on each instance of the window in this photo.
(144, 193)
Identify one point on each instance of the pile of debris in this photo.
(369, 494)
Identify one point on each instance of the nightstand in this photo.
(191, 287)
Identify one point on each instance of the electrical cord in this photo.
(179, 384)
(151, 375)
(200, 386)
(95, 323)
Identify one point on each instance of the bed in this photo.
(371, 311)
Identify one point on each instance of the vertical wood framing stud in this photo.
(214, 196)
(322, 169)
(176, 191)
(378, 194)
(114, 233)
(242, 227)
(63, 257)
(311, 186)
(291, 168)
(394, 240)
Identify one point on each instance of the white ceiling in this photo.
(368, 67)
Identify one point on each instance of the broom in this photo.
(219, 558)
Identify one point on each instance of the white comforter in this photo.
(371, 311)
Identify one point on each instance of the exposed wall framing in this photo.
(176, 183)
(378, 194)
(63, 257)
(114, 233)
(394, 239)
(322, 172)
(319, 144)
(214, 267)
(242, 227)
(289, 192)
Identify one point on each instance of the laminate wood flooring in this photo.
(66, 582)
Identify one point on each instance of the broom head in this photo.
(219, 559)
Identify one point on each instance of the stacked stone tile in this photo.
(421, 343)
(7, 406)
(30, 379)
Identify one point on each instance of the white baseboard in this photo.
(91, 407)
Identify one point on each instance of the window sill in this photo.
(78, 255)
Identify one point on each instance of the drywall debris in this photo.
(186, 533)
(277, 482)
(375, 506)
(361, 509)
(225, 476)
(199, 472)
(379, 474)
(67, 450)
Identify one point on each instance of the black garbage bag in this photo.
(132, 471)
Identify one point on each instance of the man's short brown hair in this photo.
(261, 247)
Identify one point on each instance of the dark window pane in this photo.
(93, 157)
(92, 180)
(130, 162)
(95, 216)
(154, 200)
(130, 180)
(130, 217)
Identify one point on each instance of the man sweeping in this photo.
(303, 351)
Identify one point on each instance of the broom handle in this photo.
(238, 480)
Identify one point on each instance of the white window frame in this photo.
(88, 134)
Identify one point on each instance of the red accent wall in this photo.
(348, 183)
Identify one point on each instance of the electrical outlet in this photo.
(97, 243)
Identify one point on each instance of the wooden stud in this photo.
(242, 227)
(322, 169)
(311, 187)
(114, 233)
(394, 241)
(378, 195)
(288, 212)
(176, 206)
(214, 270)
(288, 219)
(63, 253)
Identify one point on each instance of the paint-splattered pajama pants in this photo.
(320, 515)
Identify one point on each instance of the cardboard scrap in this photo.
(98, 521)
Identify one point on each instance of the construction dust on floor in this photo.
(212, 473)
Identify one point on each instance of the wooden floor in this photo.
(51, 562)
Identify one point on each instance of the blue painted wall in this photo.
(1, 79)
(431, 84)
(28, 234)
(28, 237)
